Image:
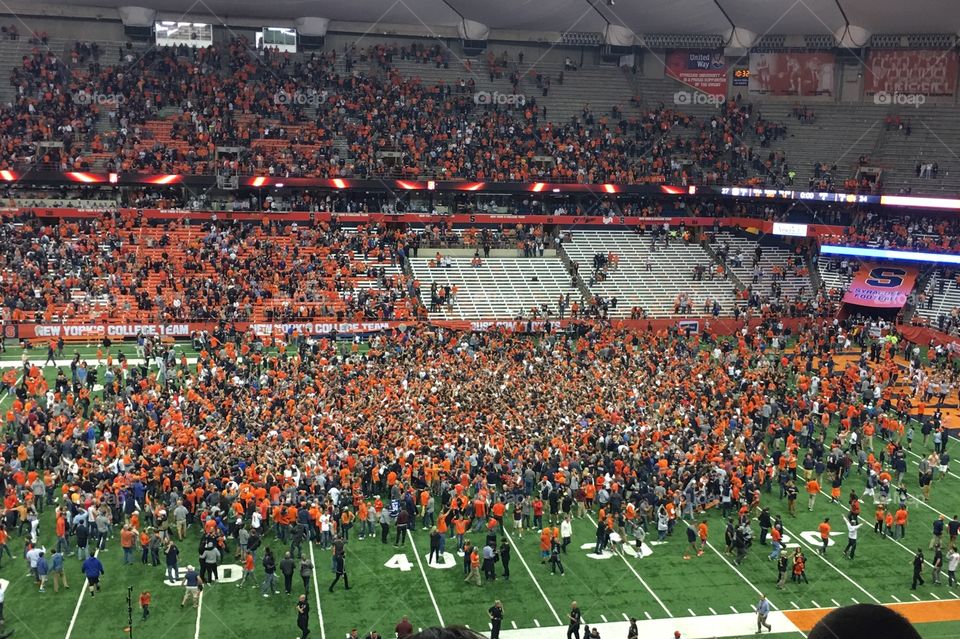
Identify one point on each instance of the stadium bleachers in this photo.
(773, 259)
(656, 289)
(500, 287)
(942, 299)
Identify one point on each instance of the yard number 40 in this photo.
(399, 562)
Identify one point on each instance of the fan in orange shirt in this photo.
(824, 529)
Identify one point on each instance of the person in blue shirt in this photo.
(56, 569)
(763, 610)
(43, 569)
(93, 569)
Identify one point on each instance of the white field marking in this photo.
(534, 579)
(637, 575)
(626, 617)
(835, 603)
(915, 597)
(196, 633)
(916, 463)
(794, 604)
(734, 609)
(536, 623)
(929, 563)
(815, 604)
(464, 625)
(712, 611)
(835, 569)
(854, 600)
(894, 598)
(316, 593)
(954, 595)
(416, 554)
(647, 614)
(737, 570)
(512, 623)
(76, 610)
(690, 610)
(753, 607)
(726, 625)
(489, 626)
(934, 595)
(603, 618)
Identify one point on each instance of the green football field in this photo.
(704, 596)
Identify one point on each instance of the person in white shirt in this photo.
(852, 526)
(566, 532)
(953, 560)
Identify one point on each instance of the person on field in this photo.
(763, 611)
(93, 570)
(193, 586)
(303, 616)
(496, 619)
(574, 618)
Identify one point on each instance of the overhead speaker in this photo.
(138, 34)
(310, 42)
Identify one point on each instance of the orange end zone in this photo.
(917, 612)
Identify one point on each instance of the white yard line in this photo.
(423, 572)
(76, 610)
(929, 563)
(316, 593)
(916, 463)
(800, 540)
(196, 633)
(736, 570)
(534, 579)
(637, 575)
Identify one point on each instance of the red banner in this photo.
(182, 330)
(881, 285)
(765, 226)
(704, 71)
(793, 74)
(930, 73)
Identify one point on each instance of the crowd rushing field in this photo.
(706, 595)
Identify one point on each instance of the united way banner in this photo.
(792, 74)
(705, 71)
(881, 285)
(931, 73)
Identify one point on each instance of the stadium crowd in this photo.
(288, 112)
(117, 266)
(261, 442)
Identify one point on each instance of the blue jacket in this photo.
(92, 567)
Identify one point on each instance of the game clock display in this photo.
(741, 77)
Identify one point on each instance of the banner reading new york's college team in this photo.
(881, 285)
